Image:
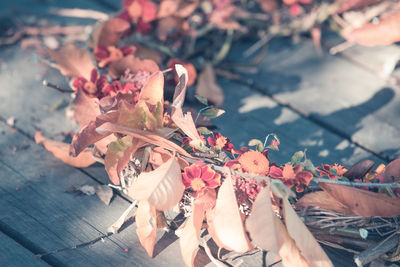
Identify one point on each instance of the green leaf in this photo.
(255, 142)
(297, 158)
(202, 100)
(309, 166)
(204, 131)
(213, 112)
(199, 145)
(272, 147)
(332, 170)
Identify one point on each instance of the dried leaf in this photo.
(111, 32)
(72, 61)
(146, 226)
(322, 200)
(305, 241)
(189, 239)
(162, 188)
(159, 156)
(144, 136)
(61, 151)
(359, 170)
(385, 32)
(180, 89)
(134, 64)
(137, 116)
(363, 203)
(262, 215)
(207, 86)
(392, 171)
(116, 150)
(153, 94)
(86, 108)
(89, 134)
(228, 235)
(186, 124)
(105, 193)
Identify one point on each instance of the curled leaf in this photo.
(359, 170)
(61, 151)
(162, 188)
(146, 226)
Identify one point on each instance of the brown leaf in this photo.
(86, 108)
(225, 223)
(186, 9)
(134, 64)
(72, 61)
(61, 151)
(162, 188)
(363, 203)
(189, 239)
(392, 171)
(305, 241)
(322, 200)
(153, 94)
(385, 32)
(207, 86)
(111, 32)
(159, 156)
(359, 170)
(146, 226)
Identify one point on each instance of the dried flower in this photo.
(254, 162)
(116, 87)
(291, 176)
(219, 142)
(106, 55)
(94, 86)
(332, 171)
(199, 176)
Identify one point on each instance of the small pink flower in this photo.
(106, 55)
(220, 142)
(116, 87)
(291, 176)
(199, 176)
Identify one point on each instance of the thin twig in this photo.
(46, 83)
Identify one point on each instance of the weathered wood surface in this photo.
(322, 104)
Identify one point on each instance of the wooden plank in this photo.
(13, 254)
(252, 115)
(337, 93)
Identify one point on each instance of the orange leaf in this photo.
(72, 61)
(61, 151)
(363, 203)
(189, 239)
(146, 226)
(224, 221)
(385, 32)
(207, 86)
(322, 200)
(134, 64)
(163, 188)
(305, 241)
(86, 108)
